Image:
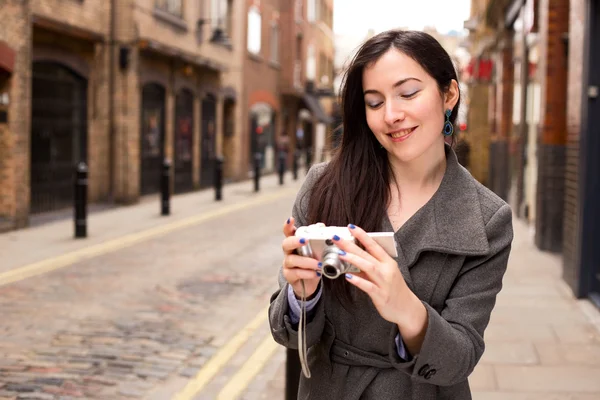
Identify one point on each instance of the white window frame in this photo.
(311, 63)
(254, 33)
(311, 10)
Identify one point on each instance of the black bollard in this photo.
(257, 165)
(165, 190)
(308, 159)
(81, 184)
(292, 374)
(295, 164)
(281, 166)
(219, 178)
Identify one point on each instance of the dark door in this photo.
(184, 129)
(58, 134)
(209, 141)
(590, 164)
(152, 137)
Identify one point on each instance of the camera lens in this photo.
(330, 271)
(328, 242)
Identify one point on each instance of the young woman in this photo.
(409, 327)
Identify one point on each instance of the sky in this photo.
(352, 19)
(356, 17)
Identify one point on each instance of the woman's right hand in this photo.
(297, 267)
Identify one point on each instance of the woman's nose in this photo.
(393, 114)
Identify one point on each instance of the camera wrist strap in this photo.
(302, 351)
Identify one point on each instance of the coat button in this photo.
(424, 369)
(346, 353)
(430, 373)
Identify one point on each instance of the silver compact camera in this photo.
(320, 246)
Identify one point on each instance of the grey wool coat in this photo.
(453, 254)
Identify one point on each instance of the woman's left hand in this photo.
(380, 276)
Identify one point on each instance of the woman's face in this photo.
(404, 107)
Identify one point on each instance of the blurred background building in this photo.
(534, 122)
(122, 85)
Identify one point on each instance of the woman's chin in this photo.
(409, 152)
(405, 154)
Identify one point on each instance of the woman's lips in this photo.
(402, 135)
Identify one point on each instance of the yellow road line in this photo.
(240, 381)
(220, 359)
(71, 258)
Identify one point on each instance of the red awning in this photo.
(7, 58)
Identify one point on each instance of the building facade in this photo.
(305, 97)
(124, 85)
(119, 86)
(542, 117)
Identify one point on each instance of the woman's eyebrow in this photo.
(397, 84)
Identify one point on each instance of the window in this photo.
(322, 68)
(311, 11)
(311, 63)
(220, 15)
(275, 42)
(254, 30)
(229, 18)
(298, 63)
(216, 15)
(174, 7)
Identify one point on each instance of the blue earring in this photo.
(448, 127)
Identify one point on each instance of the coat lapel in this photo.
(450, 222)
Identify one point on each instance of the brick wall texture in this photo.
(499, 161)
(15, 29)
(574, 96)
(478, 135)
(554, 21)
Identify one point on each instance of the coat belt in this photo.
(345, 354)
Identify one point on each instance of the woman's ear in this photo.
(452, 95)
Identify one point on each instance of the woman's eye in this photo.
(410, 95)
(374, 105)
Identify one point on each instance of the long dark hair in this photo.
(355, 186)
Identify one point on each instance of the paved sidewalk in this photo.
(38, 243)
(541, 344)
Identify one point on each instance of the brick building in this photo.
(119, 85)
(306, 80)
(124, 84)
(543, 105)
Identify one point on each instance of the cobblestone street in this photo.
(141, 321)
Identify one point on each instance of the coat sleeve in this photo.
(282, 329)
(453, 342)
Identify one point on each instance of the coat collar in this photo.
(450, 222)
